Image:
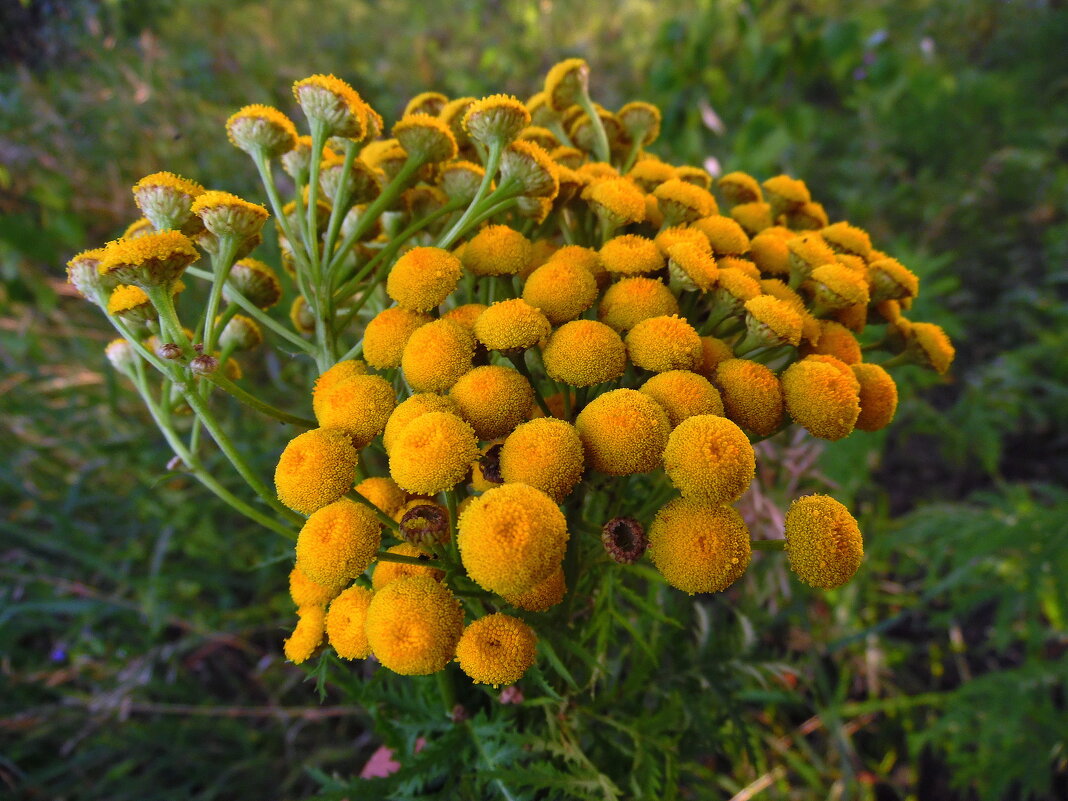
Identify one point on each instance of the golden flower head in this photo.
(496, 120)
(165, 199)
(139, 227)
(541, 113)
(359, 404)
(240, 333)
(338, 542)
(152, 260)
(725, 236)
(461, 179)
(452, 114)
(256, 281)
(542, 596)
(408, 410)
(436, 355)
(587, 258)
(709, 458)
(683, 202)
(698, 177)
(738, 264)
(786, 194)
(122, 356)
(648, 173)
(346, 623)
(331, 102)
(496, 649)
(807, 252)
(497, 250)
(691, 265)
(891, 280)
(740, 187)
(567, 83)
(617, 200)
(511, 325)
(640, 121)
(384, 493)
(836, 340)
(848, 239)
(835, 286)
(433, 453)
(83, 273)
(423, 277)
(733, 289)
(929, 346)
(821, 399)
(315, 469)
(308, 634)
(878, 397)
(426, 103)
(623, 432)
(341, 371)
(667, 238)
(413, 625)
(387, 572)
(306, 592)
(493, 399)
(664, 343)
(261, 129)
(583, 132)
(224, 214)
(425, 138)
(713, 351)
(530, 169)
(582, 353)
(298, 160)
(631, 300)
(698, 546)
(511, 538)
(132, 304)
(361, 184)
(465, 315)
(631, 254)
(545, 454)
(540, 136)
(772, 322)
(809, 216)
(562, 289)
(388, 332)
(753, 217)
(769, 252)
(823, 542)
(683, 394)
(752, 395)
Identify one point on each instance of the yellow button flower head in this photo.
(562, 289)
(846, 238)
(408, 410)
(623, 431)
(165, 199)
(465, 315)
(809, 216)
(307, 636)
(738, 264)
(256, 281)
(769, 252)
(338, 542)
(360, 405)
(649, 173)
(838, 341)
(752, 395)
(152, 260)
(682, 202)
(708, 458)
(224, 214)
(567, 83)
(346, 623)
(493, 399)
(753, 217)
(131, 303)
(530, 169)
(810, 326)
(388, 332)
(306, 592)
(724, 235)
(878, 397)
(426, 103)
(838, 365)
(640, 121)
(542, 596)
(497, 250)
(823, 542)
(891, 280)
(423, 277)
(384, 493)
(713, 351)
(433, 453)
(583, 353)
(83, 273)
(413, 626)
(496, 649)
(460, 180)
(807, 252)
(426, 138)
(786, 194)
(835, 286)
(631, 254)
(315, 469)
(683, 394)
(511, 538)
(664, 343)
(436, 355)
(388, 572)
(495, 119)
(772, 322)
(587, 258)
(616, 200)
(511, 325)
(331, 102)
(699, 547)
(261, 129)
(691, 265)
(545, 454)
(740, 187)
(929, 346)
(821, 399)
(362, 182)
(677, 235)
(698, 177)
(338, 373)
(540, 136)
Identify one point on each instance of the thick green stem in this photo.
(318, 136)
(600, 141)
(340, 206)
(170, 327)
(493, 160)
(221, 263)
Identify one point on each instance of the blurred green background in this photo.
(140, 624)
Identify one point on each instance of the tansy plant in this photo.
(541, 356)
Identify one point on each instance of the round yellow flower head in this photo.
(807, 252)
(360, 405)
(511, 325)
(838, 341)
(464, 315)
(929, 346)
(423, 277)
(823, 542)
(821, 399)
(631, 300)
(786, 194)
(388, 332)
(452, 114)
(297, 161)
(649, 173)
(165, 199)
(131, 303)
(752, 395)
(683, 202)
(683, 394)
(256, 281)
(753, 217)
(891, 280)
(713, 351)
(338, 542)
(224, 214)
(631, 254)
(315, 469)
(616, 200)
(436, 355)
(307, 636)
(846, 238)
(838, 365)
(362, 182)
(810, 326)
(529, 167)
(878, 397)
(772, 322)
(699, 547)
(623, 432)
(83, 273)
(809, 216)
(152, 260)
(338, 373)
(740, 187)
(640, 121)
(261, 129)
(408, 410)
(346, 620)
(583, 353)
(679, 235)
(384, 493)
(587, 258)
(699, 177)
(562, 289)
(545, 454)
(426, 138)
(496, 119)
(388, 572)
(493, 399)
(497, 250)
(770, 253)
(426, 103)
(306, 592)
(835, 286)
(433, 453)
(691, 265)
(664, 343)
(460, 180)
(567, 83)
(708, 458)
(511, 538)
(413, 625)
(331, 102)
(542, 596)
(725, 236)
(738, 264)
(496, 649)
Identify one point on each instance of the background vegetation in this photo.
(140, 625)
